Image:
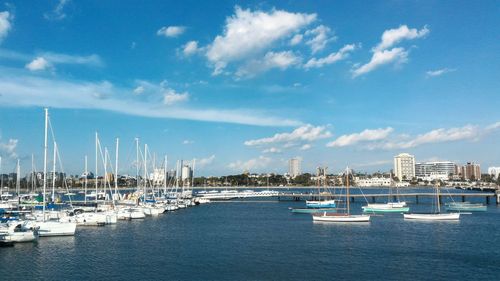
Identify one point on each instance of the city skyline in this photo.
(212, 83)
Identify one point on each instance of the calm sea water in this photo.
(263, 240)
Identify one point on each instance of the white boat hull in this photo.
(341, 218)
(433, 217)
(54, 228)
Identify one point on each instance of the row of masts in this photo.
(141, 156)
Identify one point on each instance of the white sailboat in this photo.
(18, 232)
(342, 217)
(389, 207)
(50, 227)
(437, 216)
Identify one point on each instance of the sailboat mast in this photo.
(192, 176)
(45, 161)
(145, 170)
(347, 193)
(18, 178)
(32, 173)
(116, 167)
(86, 178)
(137, 163)
(165, 174)
(54, 173)
(1, 177)
(96, 177)
(105, 169)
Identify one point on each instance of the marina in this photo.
(211, 241)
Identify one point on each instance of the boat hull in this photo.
(312, 210)
(341, 218)
(55, 228)
(432, 217)
(385, 209)
(321, 204)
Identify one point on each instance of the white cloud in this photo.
(305, 147)
(397, 55)
(366, 135)
(53, 58)
(9, 148)
(190, 48)
(296, 39)
(319, 38)
(205, 161)
(331, 58)
(91, 60)
(171, 97)
(384, 139)
(304, 133)
(393, 36)
(5, 24)
(281, 60)
(58, 12)
(21, 90)
(439, 72)
(187, 142)
(171, 31)
(272, 150)
(383, 55)
(249, 32)
(139, 90)
(251, 165)
(37, 64)
(467, 132)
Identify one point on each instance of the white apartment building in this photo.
(373, 182)
(494, 172)
(437, 170)
(294, 167)
(404, 166)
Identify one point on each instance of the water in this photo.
(263, 240)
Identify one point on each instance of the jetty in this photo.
(487, 196)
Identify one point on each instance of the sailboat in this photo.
(49, 227)
(318, 206)
(389, 207)
(434, 216)
(342, 217)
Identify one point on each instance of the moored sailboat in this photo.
(342, 217)
(437, 216)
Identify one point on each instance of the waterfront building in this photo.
(494, 172)
(294, 167)
(376, 181)
(471, 171)
(158, 176)
(186, 172)
(404, 166)
(440, 170)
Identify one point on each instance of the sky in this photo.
(248, 85)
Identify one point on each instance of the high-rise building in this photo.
(494, 172)
(471, 171)
(434, 170)
(186, 172)
(294, 167)
(404, 166)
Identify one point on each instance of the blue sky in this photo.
(248, 85)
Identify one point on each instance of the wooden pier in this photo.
(488, 196)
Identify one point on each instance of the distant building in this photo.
(373, 182)
(471, 171)
(294, 167)
(186, 173)
(158, 176)
(494, 172)
(404, 166)
(440, 170)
